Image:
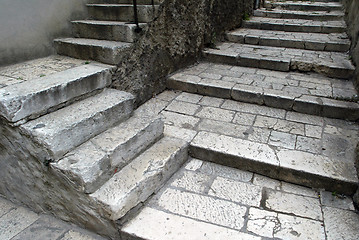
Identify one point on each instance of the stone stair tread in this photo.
(332, 64)
(104, 22)
(306, 93)
(141, 178)
(296, 25)
(108, 52)
(61, 131)
(284, 13)
(309, 41)
(308, 5)
(31, 98)
(91, 164)
(289, 165)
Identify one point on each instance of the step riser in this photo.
(293, 28)
(123, 33)
(67, 86)
(300, 7)
(269, 14)
(286, 43)
(90, 52)
(141, 178)
(106, 160)
(61, 138)
(268, 167)
(122, 13)
(325, 107)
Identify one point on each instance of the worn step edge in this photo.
(30, 99)
(105, 30)
(306, 6)
(317, 45)
(311, 28)
(302, 103)
(93, 163)
(104, 51)
(122, 12)
(61, 131)
(141, 178)
(320, 16)
(284, 63)
(282, 164)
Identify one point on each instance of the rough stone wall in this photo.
(175, 39)
(28, 27)
(352, 18)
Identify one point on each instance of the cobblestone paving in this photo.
(210, 201)
(37, 68)
(19, 223)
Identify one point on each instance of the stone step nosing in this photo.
(272, 166)
(323, 16)
(36, 97)
(127, 141)
(63, 130)
(126, 189)
(307, 104)
(307, 6)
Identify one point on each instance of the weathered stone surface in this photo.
(293, 204)
(64, 129)
(192, 181)
(142, 177)
(146, 226)
(95, 161)
(204, 208)
(340, 224)
(240, 192)
(31, 98)
(178, 132)
(226, 172)
(334, 200)
(299, 190)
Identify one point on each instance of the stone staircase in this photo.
(108, 32)
(291, 55)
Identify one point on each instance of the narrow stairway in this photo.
(271, 119)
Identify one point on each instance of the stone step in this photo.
(105, 30)
(141, 178)
(306, 6)
(109, 52)
(121, 12)
(295, 25)
(311, 41)
(290, 14)
(305, 93)
(91, 164)
(141, 2)
(61, 131)
(30, 99)
(331, 64)
(307, 169)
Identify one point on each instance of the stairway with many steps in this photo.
(108, 32)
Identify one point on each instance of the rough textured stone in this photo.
(142, 177)
(192, 181)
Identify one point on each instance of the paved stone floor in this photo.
(19, 223)
(208, 201)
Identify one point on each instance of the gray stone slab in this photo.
(64, 129)
(158, 225)
(216, 114)
(192, 181)
(226, 172)
(95, 161)
(31, 98)
(179, 120)
(183, 107)
(332, 199)
(204, 208)
(340, 224)
(178, 132)
(141, 178)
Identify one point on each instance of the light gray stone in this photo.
(194, 164)
(31, 98)
(313, 131)
(192, 181)
(244, 118)
(293, 204)
(340, 224)
(151, 108)
(299, 190)
(311, 145)
(5, 206)
(267, 182)
(226, 172)
(142, 177)
(262, 222)
(75, 235)
(16, 221)
(216, 114)
(64, 129)
(281, 139)
(189, 97)
(240, 192)
(179, 120)
(332, 199)
(183, 107)
(219, 127)
(181, 133)
(158, 225)
(211, 101)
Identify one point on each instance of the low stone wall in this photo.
(352, 19)
(28, 27)
(174, 40)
